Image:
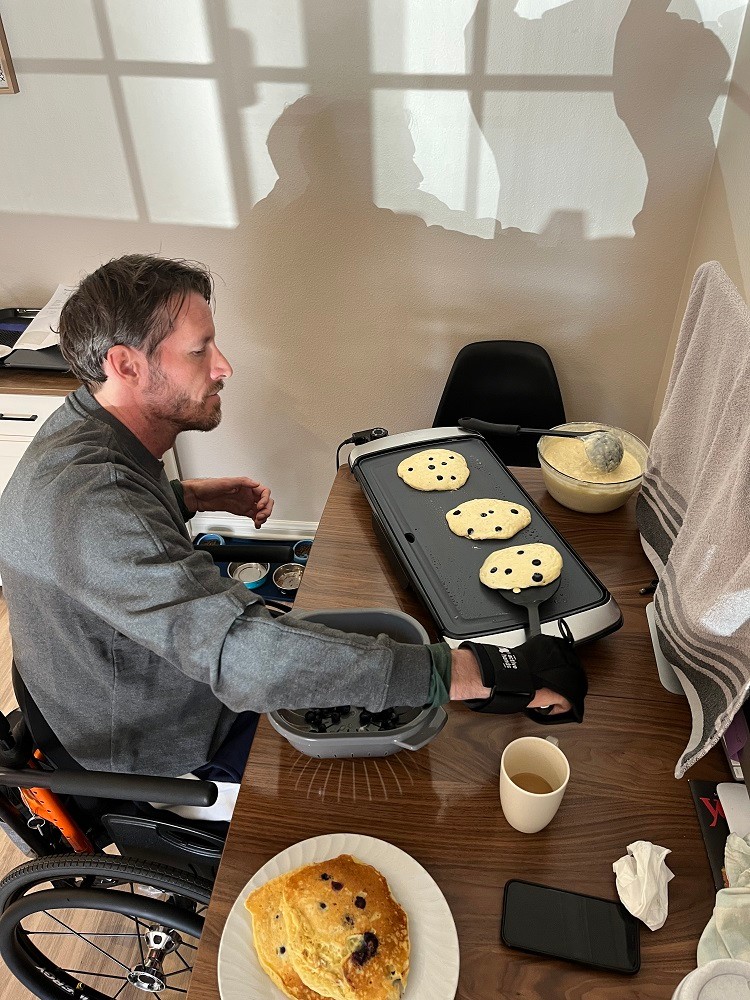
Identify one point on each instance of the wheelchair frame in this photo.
(159, 884)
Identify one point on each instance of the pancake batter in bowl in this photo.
(568, 455)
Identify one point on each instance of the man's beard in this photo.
(169, 403)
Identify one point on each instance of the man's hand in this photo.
(466, 683)
(235, 495)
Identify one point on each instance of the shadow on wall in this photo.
(385, 301)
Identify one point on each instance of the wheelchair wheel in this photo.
(94, 927)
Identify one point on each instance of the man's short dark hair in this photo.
(134, 301)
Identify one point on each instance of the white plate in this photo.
(434, 960)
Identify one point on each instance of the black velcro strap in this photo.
(508, 677)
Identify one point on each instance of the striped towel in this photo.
(693, 510)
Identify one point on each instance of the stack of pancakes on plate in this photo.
(331, 929)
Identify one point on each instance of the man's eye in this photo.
(198, 353)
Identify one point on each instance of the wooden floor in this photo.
(70, 957)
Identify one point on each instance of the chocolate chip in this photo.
(360, 902)
(520, 552)
(455, 512)
(430, 466)
(498, 528)
(536, 562)
(322, 906)
(277, 917)
(337, 886)
(325, 877)
(367, 950)
(483, 515)
(453, 477)
(443, 463)
(508, 571)
(513, 510)
(494, 569)
(349, 920)
(439, 477)
(451, 457)
(282, 949)
(410, 470)
(469, 531)
(537, 577)
(492, 512)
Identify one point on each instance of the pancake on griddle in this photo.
(434, 469)
(488, 519)
(519, 566)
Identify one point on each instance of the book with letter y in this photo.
(714, 827)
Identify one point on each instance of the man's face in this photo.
(187, 372)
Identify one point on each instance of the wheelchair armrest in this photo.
(108, 785)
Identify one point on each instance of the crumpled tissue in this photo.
(642, 878)
(727, 933)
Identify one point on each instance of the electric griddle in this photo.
(443, 568)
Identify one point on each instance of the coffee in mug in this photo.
(534, 774)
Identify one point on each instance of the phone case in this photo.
(557, 954)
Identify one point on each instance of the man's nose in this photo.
(220, 367)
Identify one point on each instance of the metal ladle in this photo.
(603, 448)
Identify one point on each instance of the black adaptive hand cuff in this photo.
(509, 679)
(544, 661)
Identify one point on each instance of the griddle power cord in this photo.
(361, 437)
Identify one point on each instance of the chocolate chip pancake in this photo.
(488, 519)
(434, 469)
(348, 936)
(519, 566)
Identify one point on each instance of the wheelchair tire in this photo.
(114, 892)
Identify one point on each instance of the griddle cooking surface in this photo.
(444, 567)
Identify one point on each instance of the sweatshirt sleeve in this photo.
(134, 569)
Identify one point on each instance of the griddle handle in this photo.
(484, 427)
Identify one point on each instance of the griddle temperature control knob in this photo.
(371, 434)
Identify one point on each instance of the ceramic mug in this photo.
(534, 774)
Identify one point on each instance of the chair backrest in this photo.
(41, 732)
(506, 382)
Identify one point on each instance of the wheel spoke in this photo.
(87, 933)
(177, 953)
(91, 943)
(101, 975)
(138, 926)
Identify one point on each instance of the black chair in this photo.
(506, 382)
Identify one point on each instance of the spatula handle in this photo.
(535, 625)
(510, 430)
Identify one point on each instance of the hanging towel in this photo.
(693, 510)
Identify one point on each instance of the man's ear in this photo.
(126, 364)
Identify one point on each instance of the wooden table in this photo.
(441, 804)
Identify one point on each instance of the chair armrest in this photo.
(109, 785)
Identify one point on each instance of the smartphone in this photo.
(569, 925)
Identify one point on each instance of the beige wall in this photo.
(375, 184)
(723, 231)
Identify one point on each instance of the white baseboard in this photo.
(243, 527)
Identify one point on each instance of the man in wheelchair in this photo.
(133, 655)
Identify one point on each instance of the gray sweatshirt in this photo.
(137, 651)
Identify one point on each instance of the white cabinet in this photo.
(21, 416)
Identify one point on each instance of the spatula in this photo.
(603, 448)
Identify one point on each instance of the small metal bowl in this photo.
(252, 574)
(288, 577)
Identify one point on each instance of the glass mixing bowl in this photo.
(581, 494)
